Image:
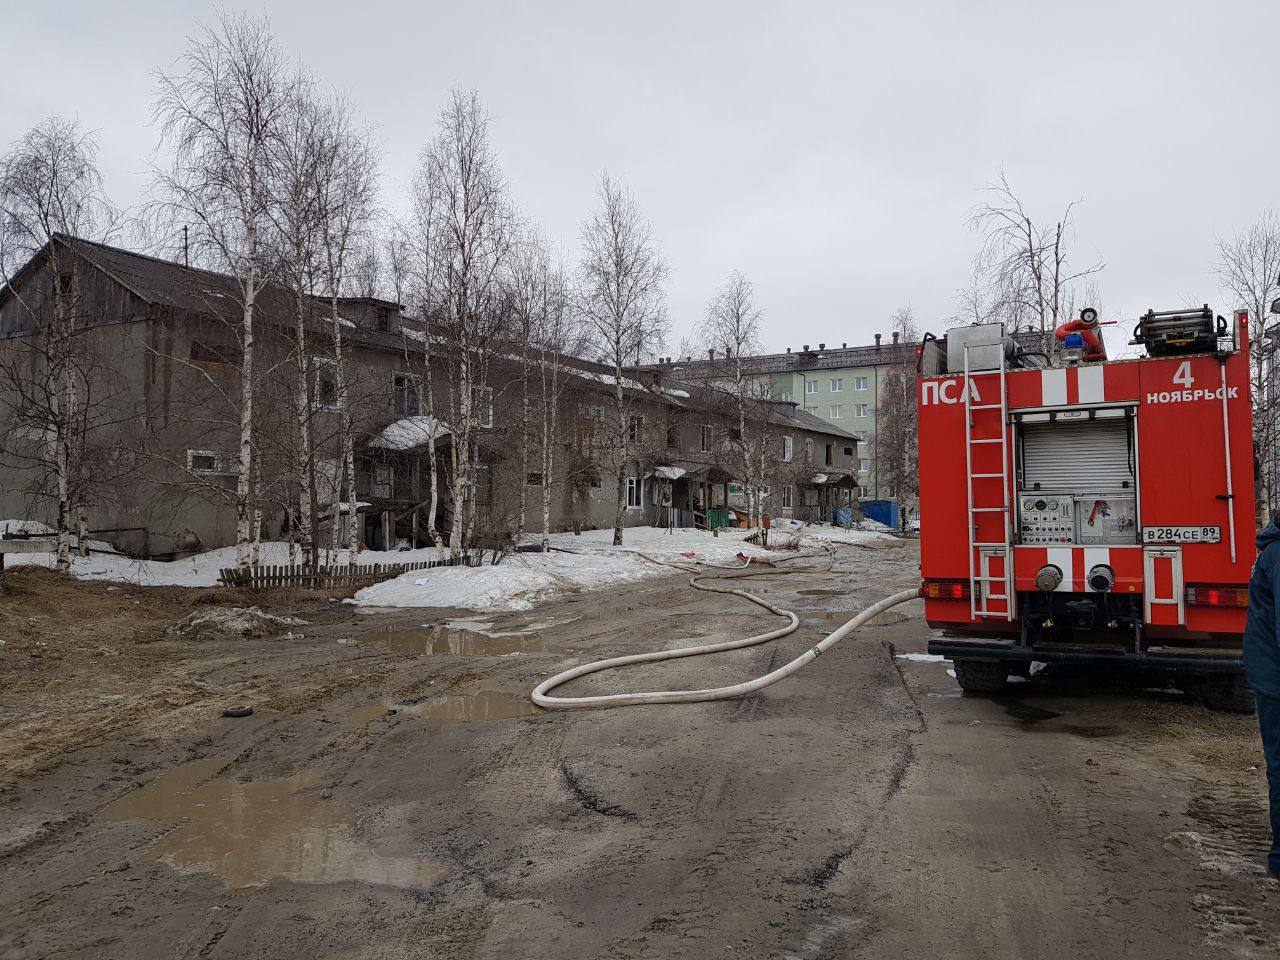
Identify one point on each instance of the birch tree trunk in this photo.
(243, 490)
(305, 461)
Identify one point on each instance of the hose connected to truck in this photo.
(541, 691)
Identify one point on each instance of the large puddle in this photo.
(461, 642)
(482, 705)
(250, 832)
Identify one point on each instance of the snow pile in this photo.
(858, 535)
(409, 433)
(231, 623)
(519, 582)
(525, 579)
(200, 570)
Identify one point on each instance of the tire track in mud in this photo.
(1235, 900)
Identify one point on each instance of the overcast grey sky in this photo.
(830, 151)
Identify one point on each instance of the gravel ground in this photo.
(394, 795)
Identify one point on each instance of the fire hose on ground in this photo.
(541, 691)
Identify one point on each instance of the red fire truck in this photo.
(1089, 512)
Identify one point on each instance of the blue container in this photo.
(882, 511)
(842, 516)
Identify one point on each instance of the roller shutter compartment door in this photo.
(1077, 457)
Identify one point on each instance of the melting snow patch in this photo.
(924, 658)
(231, 622)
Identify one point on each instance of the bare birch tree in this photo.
(347, 183)
(413, 264)
(731, 327)
(220, 116)
(557, 337)
(465, 222)
(1024, 273)
(297, 159)
(1249, 268)
(621, 293)
(50, 189)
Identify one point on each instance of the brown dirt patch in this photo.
(83, 659)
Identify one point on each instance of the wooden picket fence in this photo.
(263, 576)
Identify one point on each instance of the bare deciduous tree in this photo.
(347, 181)
(621, 294)
(558, 336)
(50, 188)
(1023, 275)
(411, 265)
(1249, 268)
(295, 210)
(465, 221)
(221, 117)
(732, 328)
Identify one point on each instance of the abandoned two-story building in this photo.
(156, 351)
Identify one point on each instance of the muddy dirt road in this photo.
(394, 795)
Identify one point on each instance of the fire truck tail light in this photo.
(945, 590)
(1217, 595)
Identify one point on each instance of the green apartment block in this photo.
(837, 384)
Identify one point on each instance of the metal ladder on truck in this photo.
(983, 602)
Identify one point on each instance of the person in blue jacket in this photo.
(1262, 667)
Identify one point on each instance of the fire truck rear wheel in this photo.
(1218, 691)
(981, 676)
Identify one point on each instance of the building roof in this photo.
(175, 285)
(822, 358)
(790, 413)
(167, 283)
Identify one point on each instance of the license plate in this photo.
(1181, 534)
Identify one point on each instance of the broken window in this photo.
(212, 463)
(635, 428)
(210, 350)
(406, 394)
(326, 386)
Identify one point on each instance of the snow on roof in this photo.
(409, 433)
(608, 378)
(669, 473)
